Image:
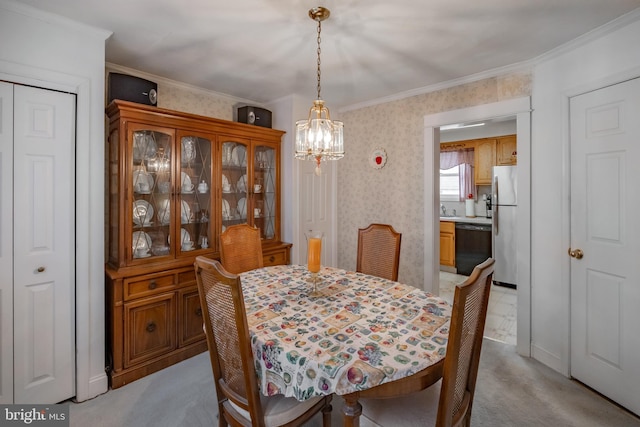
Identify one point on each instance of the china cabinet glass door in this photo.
(234, 183)
(150, 185)
(264, 191)
(195, 193)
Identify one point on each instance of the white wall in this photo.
(45, 51)
(609, 59)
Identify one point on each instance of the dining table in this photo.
(359, 336)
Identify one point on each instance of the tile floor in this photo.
(501, 314)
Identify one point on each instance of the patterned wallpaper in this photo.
(196, 102)
(181, 97)
(394, 194)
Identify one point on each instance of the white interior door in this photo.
(605, 201)
(43, 244)
(6, 243)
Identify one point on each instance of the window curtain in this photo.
(464, 158)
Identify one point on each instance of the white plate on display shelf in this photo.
(142, 182)
(142, 212)
(184, 236)
(140, 240)
(185, 180)
(164, 211)
(242, 208)
(239, 156)
(185, 213)
(241, 185)
(226, 210)
(226, 184)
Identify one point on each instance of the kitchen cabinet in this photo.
(488, 152)
(175, 182)
(506, 150)
(485, 160)
(447, 243)
(457, 145)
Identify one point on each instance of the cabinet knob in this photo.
(199, 312)
(272, 258)
(40, 269)
(151, 327)
(153, 285)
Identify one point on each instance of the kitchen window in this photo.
(450, 184)
(456, 175)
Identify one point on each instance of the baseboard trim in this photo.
(547, 358)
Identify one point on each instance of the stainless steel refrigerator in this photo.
(504, 204)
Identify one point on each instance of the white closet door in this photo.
(44, 236)
(6, 243)
(605, 200)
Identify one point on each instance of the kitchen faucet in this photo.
(444, 210)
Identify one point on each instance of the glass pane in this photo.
(264, 174)
(234, 183)
(151, 181)
(195, 197)
(450, 183)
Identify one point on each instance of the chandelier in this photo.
(319, 138)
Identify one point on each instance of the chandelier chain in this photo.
(318, 39)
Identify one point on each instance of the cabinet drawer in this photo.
(447, 227)
(187, 277)
(275, 258)
(137, 288)
(150, 328)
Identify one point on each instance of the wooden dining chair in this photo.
(241, 248)
(379, 251)
(240, 402)
(452, 407)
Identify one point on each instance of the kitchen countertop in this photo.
(470, 220)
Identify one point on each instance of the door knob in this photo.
(576, 253)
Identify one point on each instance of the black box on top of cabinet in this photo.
(254, 116)
(133, 89)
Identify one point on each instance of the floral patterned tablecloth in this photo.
(363, 331)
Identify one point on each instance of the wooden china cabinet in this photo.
(175, 182)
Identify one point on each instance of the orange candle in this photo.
(313, 254)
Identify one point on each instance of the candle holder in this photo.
(314, 255)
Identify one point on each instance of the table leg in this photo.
(351, 411)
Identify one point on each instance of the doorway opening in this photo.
(520, 108)
(473, 241)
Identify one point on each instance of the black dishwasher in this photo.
(473, 246)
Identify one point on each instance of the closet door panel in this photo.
(44, 240)
(6, 243)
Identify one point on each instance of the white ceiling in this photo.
(263, 50)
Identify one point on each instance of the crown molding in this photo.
(524, 66)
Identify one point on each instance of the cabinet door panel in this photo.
(447, 244)
(235, 181)
(507, 150)
(190, 317)
(150, 323)
(195, 165)
(485, 159)
(149, 210)
(265, 197)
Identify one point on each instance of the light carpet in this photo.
(511, 391)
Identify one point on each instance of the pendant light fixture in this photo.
(319, 138)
